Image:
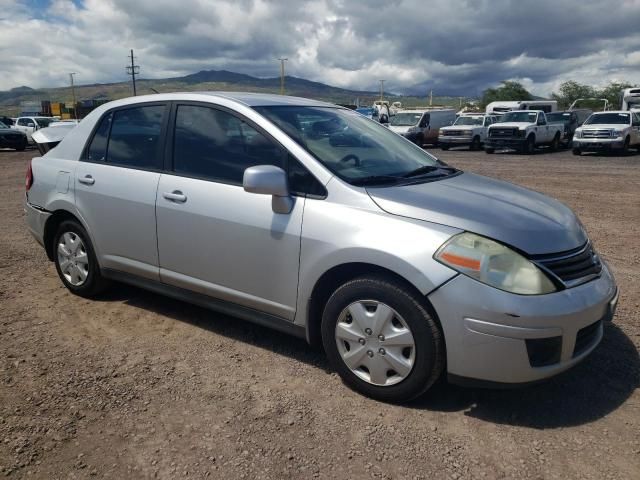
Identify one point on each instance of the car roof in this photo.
(246, 98)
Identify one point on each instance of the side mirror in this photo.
(384, 118)
(31, 124)
(269, 180)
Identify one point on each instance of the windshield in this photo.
(558, 117)
(355, 148)
(468, 121)
(2, 125)
(522, 116)
(45, 121)
(608, 119)
(406, 119)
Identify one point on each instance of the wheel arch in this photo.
(51, 227)
(337, 275)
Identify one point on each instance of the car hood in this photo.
(511, 125)
(400, 128)
(460, 127)
(9, 130)
(521, 218)
(604, 126)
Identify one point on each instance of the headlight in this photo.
(467, 133)
(578, 134)
(413, 130)
(521, 133)
(494, 264)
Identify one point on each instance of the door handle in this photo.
(87, 180)
(175, 196)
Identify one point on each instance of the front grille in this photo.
(586, 337)
(597, 134)
(453, 133)
(572, 266)
(503, 132)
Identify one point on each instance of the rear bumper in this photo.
(36, 218)
(503, 338)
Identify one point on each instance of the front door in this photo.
(115, 188)
(215, 238)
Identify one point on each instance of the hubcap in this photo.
(73, 259)
(375, 342)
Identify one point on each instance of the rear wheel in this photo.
(444, 147)
(555, 143)
(76, 261)
(489, 150)
(381, 339)
(22, 146)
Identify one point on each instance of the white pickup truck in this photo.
(469, 129)
(28, 125)
(523, 130)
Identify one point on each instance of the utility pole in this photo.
(430, 98)
(133, 70)
(382, 89)
(73, 95)
(282, 60)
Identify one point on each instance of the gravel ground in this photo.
(135, 385)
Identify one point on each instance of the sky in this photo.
(457, 47)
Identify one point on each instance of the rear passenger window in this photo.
(97, 151)
(135, 137)
(216, 145)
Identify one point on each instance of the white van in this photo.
(422, 125)
(497, 108)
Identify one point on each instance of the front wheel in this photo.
(76, 261)
(530, 145)
(555, 143)
(444, 147)
(381, 339)
(489, 150)
(475, 143)
(577, 151)
(625, 146)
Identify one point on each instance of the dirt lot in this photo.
(136, 385)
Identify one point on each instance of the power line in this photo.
(282, 60)
(133, 70)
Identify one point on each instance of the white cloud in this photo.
(340, 42)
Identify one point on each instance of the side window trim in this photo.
(84, 156)
(170, 141)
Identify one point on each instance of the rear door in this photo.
(215, 238)
(115, 187)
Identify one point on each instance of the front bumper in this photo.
(500, 337)
(36, 218)
(598, 144)
(457, 141)
(509, 142)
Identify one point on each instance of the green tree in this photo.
(570, 91)
(508, 90)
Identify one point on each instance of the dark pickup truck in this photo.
(10, 138)
(571, 119)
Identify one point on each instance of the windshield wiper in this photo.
(428, 169)
(375, 180)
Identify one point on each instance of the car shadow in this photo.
(585, 393)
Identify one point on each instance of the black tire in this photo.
(625, 146)
(475, 144)
(444, 147)
(94, 283)
(555, 143)
(419, 141)
(429, 344)
(489, 150)
(577, 151)
(530, 145)
(21, 147)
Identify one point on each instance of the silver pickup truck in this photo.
(523, 130)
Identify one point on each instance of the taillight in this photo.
(28, 181)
